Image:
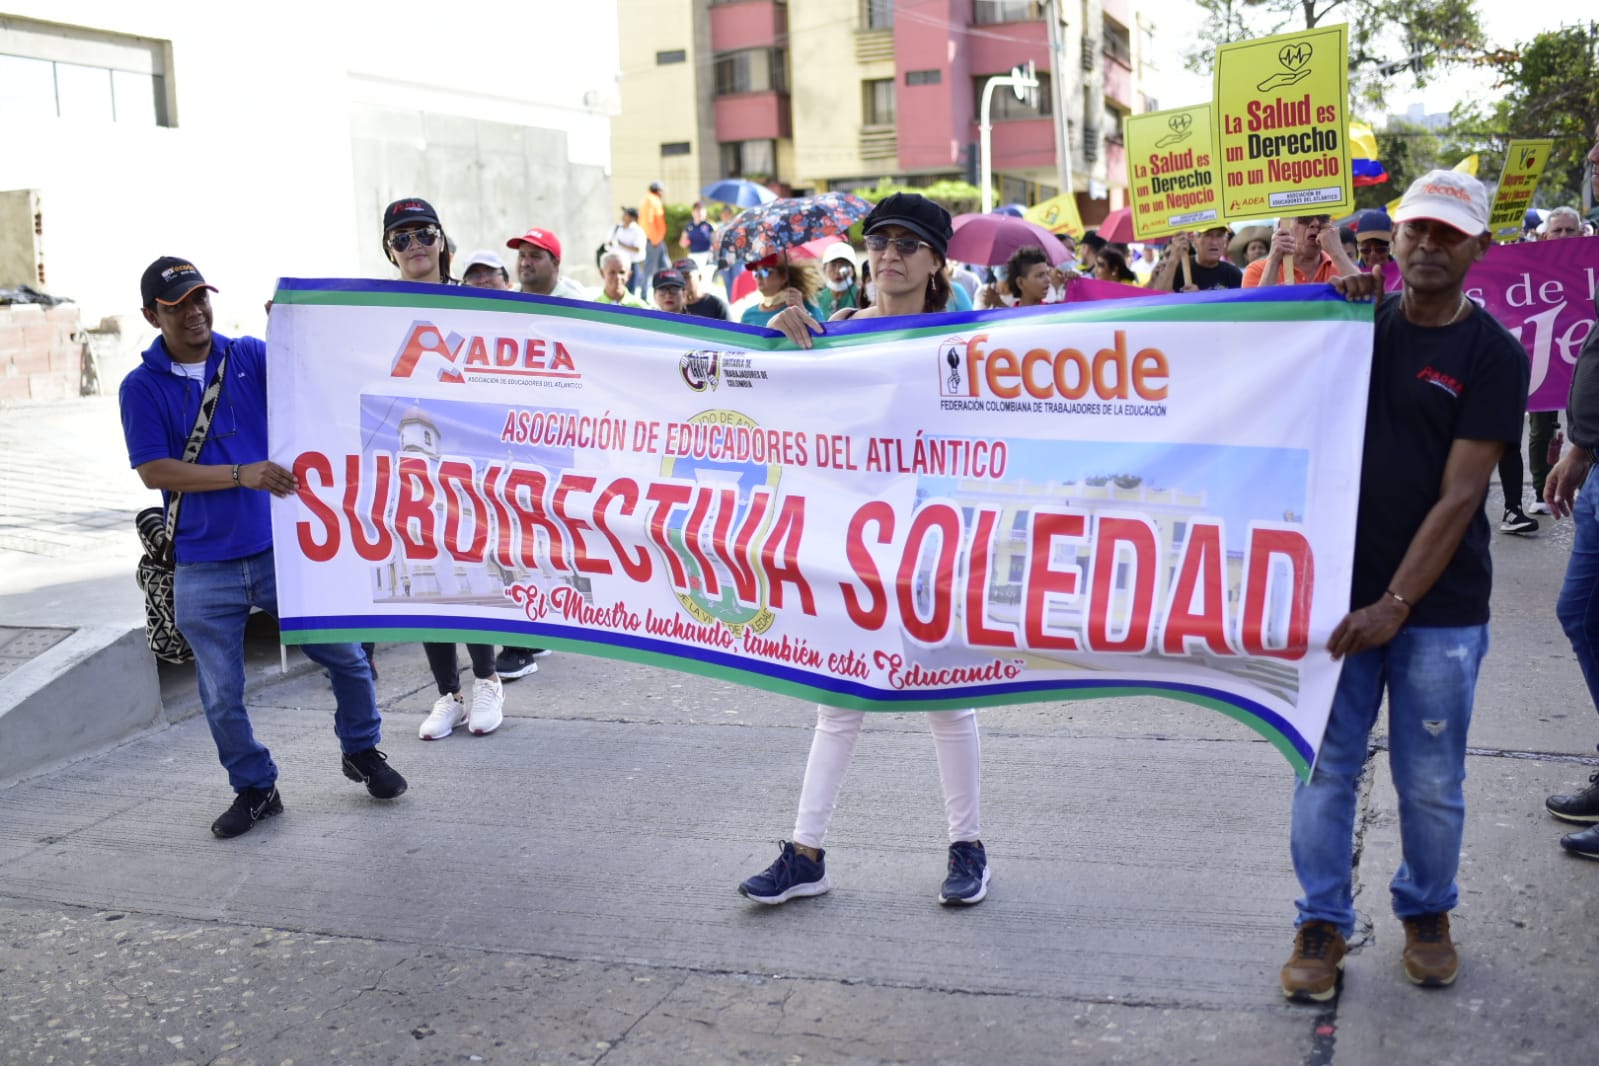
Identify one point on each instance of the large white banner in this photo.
(1132, 497)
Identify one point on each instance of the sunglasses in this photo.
(764, 272)
(400, 240)
(1305, 220)
(905, 246)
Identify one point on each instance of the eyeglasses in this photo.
(1305, 220)
(905, 246)
(400, 240)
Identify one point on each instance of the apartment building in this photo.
(837, 94)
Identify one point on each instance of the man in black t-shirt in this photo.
(1208, 268)
(701, 303)
(1448, 387)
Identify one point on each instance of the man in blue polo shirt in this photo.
(223, 542)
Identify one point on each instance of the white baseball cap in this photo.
(484, 258)
(1446, 196)
(840, 251)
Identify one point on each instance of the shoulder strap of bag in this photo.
(191, 450)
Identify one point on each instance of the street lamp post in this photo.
(1023, 81)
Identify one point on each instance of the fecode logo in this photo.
(428, 352)
(972, 368)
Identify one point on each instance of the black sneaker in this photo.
(791, 875)
(968, 874)
(513, 663)
(1585, 843)
(372, 767)
(249, 807)
(1580, 807)
(1516, 522)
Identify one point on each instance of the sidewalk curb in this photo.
(57, 708)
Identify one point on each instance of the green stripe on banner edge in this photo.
(754, 679)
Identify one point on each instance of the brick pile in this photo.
(41, 353)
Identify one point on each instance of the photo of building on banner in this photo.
(1524, 163)
(1171, 171)
(1150, 498)
(1282, 119)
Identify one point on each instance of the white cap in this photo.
(840, 251)
(484, 258)
(1446, 196)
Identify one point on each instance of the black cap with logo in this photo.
(410, 210)
(168, 280)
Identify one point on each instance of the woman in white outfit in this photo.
(906, 239)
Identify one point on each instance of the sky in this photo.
(1178, 22)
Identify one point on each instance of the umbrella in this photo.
(1014, 210)
(738, 192)
(1117, 227)
(813, 249)
(770, 228)
(989, 240)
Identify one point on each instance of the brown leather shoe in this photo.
(1431, 960)
(1311, 974)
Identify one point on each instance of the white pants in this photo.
(959, 756)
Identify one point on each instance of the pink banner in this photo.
(1542, 292)
(1080, 289)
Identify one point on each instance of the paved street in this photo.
(563, 890)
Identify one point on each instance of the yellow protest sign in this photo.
(1524, 162)
(1171, 171)
(1282, 124)
(1058, 214)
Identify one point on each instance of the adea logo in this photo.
(974, 369)
(429, 352)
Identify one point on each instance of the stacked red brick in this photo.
(41, 353)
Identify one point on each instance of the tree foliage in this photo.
(1551, 90)
(1387, 38)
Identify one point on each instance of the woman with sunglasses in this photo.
(414, 241)
(1111, 265)
(906, 238)
(782, 284)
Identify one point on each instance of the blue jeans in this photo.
(213, 602)
(655, 258)
(1578, 605)
(1431, 678)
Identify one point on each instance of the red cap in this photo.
(538, 238)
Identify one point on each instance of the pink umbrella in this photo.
(813, 249)
(989, 240)
(1117, 228)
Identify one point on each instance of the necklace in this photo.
(1460, 311)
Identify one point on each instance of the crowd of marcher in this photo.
(1415, 632)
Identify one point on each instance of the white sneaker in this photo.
(1537, 507)
(488, 703)
(448, 712)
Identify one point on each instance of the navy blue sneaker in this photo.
(791, 875)
(1585, 843)
(968, 874)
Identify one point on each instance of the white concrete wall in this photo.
(257, 179)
